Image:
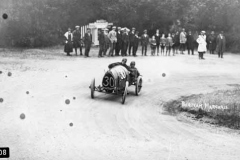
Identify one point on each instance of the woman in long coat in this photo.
(68, 48)
(202, 44)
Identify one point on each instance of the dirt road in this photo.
(103, 128)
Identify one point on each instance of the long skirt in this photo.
(68, 48)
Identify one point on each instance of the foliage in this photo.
(42, 23)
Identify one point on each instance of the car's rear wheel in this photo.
(138, 86)
(92, 87)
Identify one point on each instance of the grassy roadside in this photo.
(223, 107)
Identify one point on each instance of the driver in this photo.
(123, 63)
(134, 73)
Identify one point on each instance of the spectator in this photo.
(77, 40)
(162, 43)
(113, 39)
(183, 40)
(101, 43)
(131, 40)
(175, 46)
(221, 44)
(125, 40)
(157, 37)
(135, 44)
(195, 37)
(87, 42)
(119, 42)
(190, 43)
(212, 40)
(153, 45)
(169, 43)
(202, 44)
(106, 42)
(68, 47)
(144, 41)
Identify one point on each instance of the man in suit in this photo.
(144, 41)
(135, 43)
(87, 42)
(183, 40)
(221, 44)
(125, 40)
(119, 42)
(190, 43)
(101, 43)
(113, 38)
(131, 40)
(77, 40)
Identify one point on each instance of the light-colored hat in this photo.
(114, 27)
(77, 26)
(203, 32)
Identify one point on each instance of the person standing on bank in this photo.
(221, 44)
(162, 43)
(183, 40)
(87, 42)
(68, 47)
(144, 42)
(125, 40)
(135, 43)
(77, 40)
(190, 43)
(113, 38)
(169, 44)
(157, 37)
(101, 43)
(212, 42)
(202, 44)
(153, 43)
(106, 42)
(119, 42)
(131, 40)
(175, 46)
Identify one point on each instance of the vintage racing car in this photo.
(116, 81)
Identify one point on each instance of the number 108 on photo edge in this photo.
(4, 152)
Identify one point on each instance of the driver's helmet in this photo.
(132, 64)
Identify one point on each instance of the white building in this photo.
(99, 24)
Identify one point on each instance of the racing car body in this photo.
(116, 81)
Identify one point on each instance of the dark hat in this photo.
(132, 63)
(124, 59)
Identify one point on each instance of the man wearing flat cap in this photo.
(113, 38)
(144, 42)
(77, 40)
(131, 40)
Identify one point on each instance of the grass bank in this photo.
(222, 106)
